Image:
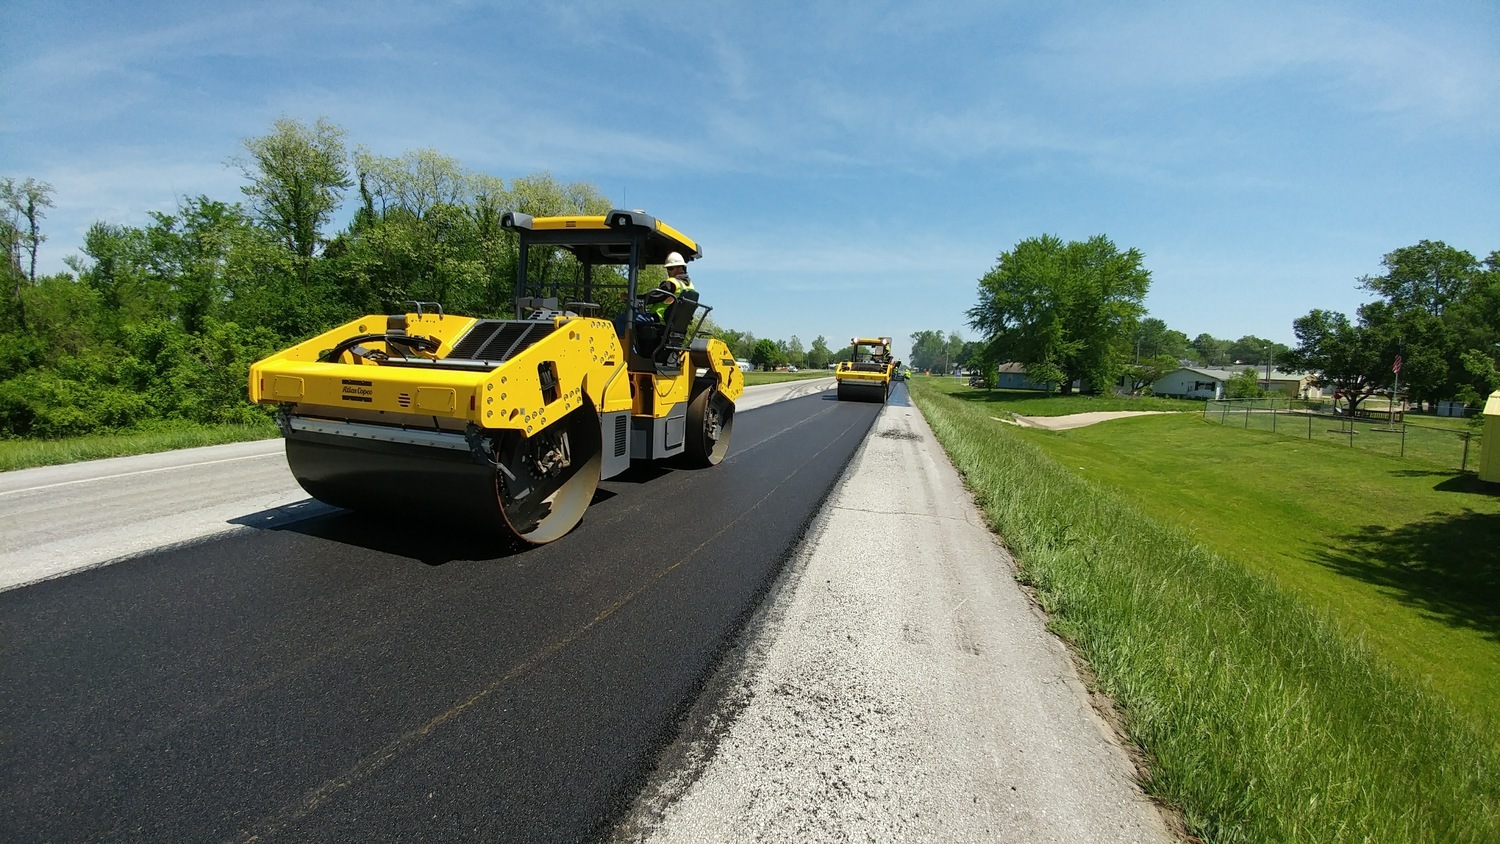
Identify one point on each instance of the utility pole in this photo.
(1396, 388)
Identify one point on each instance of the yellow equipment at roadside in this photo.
(508, 424)
(867, 375)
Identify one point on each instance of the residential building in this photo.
(1198, 382)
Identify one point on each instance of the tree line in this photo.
(159, 323)
(1073, 313)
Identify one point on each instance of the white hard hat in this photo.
(674, 259)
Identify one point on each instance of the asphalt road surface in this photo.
(817, 640)
(340, 678)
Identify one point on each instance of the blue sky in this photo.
(850, 168)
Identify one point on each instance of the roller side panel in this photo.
(660, 437)
(713, 355)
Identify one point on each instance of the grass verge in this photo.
(1261, 718)
(25, 454)
(1033, 403)
(1444, 446)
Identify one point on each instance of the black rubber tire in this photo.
(710, 422)
(566, 502)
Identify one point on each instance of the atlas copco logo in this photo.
(363, 391)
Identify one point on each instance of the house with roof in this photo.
(1201, 382)
(1012, 376)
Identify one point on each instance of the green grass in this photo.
(25, 454)
(1231, 592)
(1452, 423)
(1437, 446)
(1033, 403)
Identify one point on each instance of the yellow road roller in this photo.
(866, 375)
(508, 425)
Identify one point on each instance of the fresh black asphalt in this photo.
(344, 679)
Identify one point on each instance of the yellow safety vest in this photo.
(674, 286)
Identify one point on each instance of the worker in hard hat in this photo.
(676, 284)
(650, 320)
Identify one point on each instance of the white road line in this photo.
(139, 472)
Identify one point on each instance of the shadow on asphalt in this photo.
(897, 398)
(432, 545)
(428, 544)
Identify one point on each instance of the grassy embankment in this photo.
(1292, 672)
(25, 454)
(1441, 442)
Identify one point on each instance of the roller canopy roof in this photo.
(604, 239)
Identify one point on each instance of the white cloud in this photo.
(1350, 59)
(122, 191)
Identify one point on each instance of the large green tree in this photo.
(1347, 358)
(296, 177)
(1427, 314)
(1062, 310)
(929, 350)
(1476, 324)
(1151, 337)
(819, 354)
(428, 230)
(793, 353)
(1211, 350)
(766, 355)
(741, 343)
(23, 205)
(1256, 351)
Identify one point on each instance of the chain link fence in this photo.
(1380, 431)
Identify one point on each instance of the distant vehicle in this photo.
(745, 365)
(866, 375)
(791, 369)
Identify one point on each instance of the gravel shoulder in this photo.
(899, 685)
